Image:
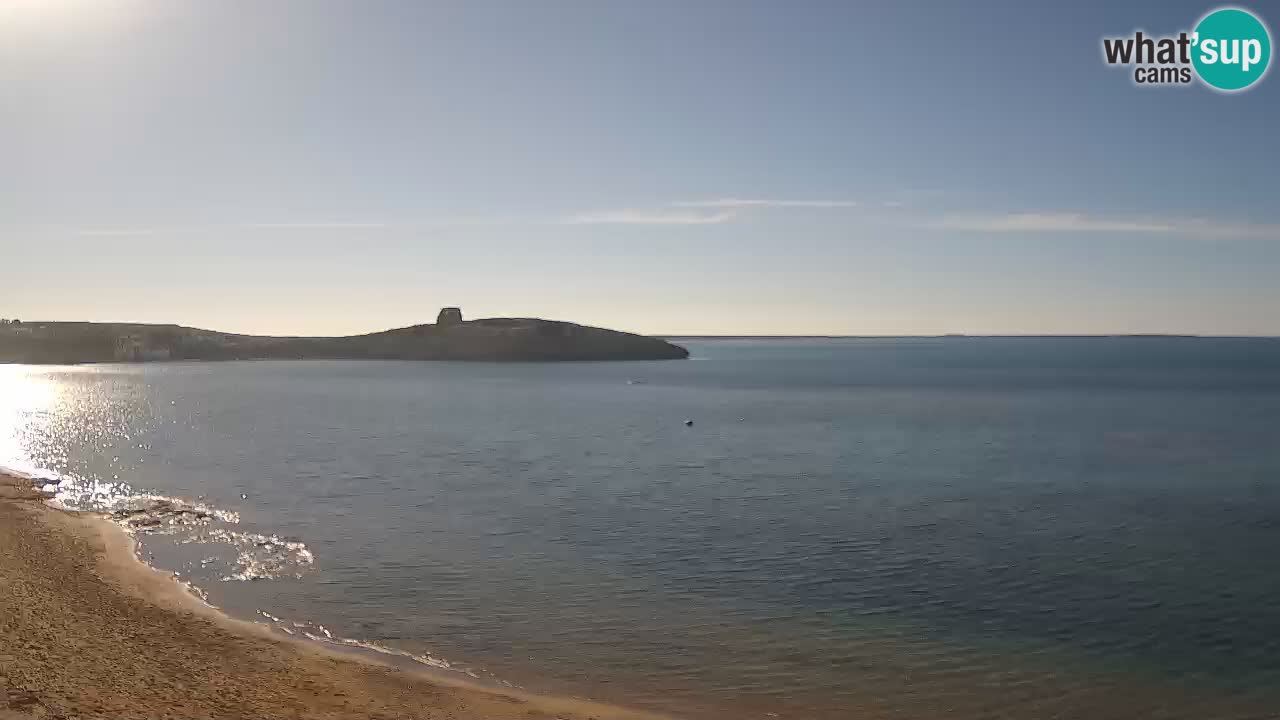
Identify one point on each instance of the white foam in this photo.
(258, 556)
(319, 633)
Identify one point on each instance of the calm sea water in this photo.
(916, 528)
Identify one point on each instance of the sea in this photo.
(956, 527)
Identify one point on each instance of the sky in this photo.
(665, 167)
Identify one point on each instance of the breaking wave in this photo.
(251, 556)
(257, 556)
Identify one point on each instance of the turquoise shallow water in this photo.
(958, 527)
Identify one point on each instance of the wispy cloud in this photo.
(116, 232)
(650, 217)
(690, 212)
(1085, 223)
(1208, 228)
(1049, 222)
(729, 210)
(144, 231)
(745, 203)
(318, 226)
(697, 212)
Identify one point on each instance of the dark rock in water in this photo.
(161, 512)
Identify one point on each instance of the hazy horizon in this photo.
(711, 336)
(727, 168)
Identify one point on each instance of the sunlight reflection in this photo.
(25, 394)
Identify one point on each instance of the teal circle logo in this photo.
(1231, 49)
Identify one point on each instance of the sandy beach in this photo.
(89, 631)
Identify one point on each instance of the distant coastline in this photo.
(449, 338)
(951, 336)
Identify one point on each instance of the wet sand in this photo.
(89, 631)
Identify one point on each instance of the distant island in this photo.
(449, 338)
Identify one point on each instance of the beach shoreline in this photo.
(88, 630)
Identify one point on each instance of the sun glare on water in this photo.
(25, 393)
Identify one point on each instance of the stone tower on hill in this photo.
(449, 316)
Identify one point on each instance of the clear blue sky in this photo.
(684, 167)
